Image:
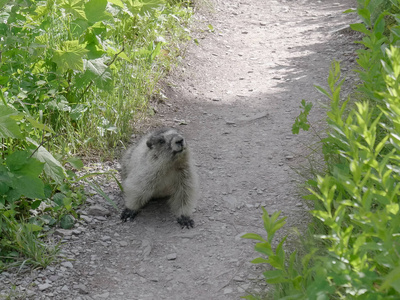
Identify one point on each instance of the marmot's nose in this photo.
(179, 141)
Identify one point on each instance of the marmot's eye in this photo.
(162, 142)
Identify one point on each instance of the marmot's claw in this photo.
(185, 221)
(128, 214)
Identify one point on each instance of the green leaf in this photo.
(26, 185)
(59, 199)
(25, 179)
(117, 2)
(67, 222)
(95, 10)
(8, 126)
(74, 7)
(275, 276)
(39, 125)
(323, 91)
(52, 167)
(70, 56)
(253, 236)
(75, 162)
(264, 248)
(260, 260)
(33, 227)
(143, 6)
(365, 15)
(361, 28)
(392, 280)
(35, 204)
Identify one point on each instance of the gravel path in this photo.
(238, 92)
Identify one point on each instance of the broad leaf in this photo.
(28, 186)
(52, 166)
(70, 56)
(67, 222)
(8, 126)
(74, 7)
(95, 10)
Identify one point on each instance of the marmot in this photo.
(160, 166)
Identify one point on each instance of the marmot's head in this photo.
(166, 141)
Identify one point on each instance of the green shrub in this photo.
(356, 213)
(73, 77)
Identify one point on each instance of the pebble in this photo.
(82, 289)
(105, 295)
(105, 238)
(63, 232)
(228, 290)
(44, 286)
(123, 244)
(98, 210)
(171, 256)
(67, 264)
(86, 218)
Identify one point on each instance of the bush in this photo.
(73, 77)
(356, 211)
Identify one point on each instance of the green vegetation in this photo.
(354, 251)
(74, 75)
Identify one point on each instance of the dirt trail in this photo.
(238, 91)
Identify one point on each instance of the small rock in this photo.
(62, 232)
(123, 244)
(102, 296)
(44, 286)
(230, 122)
(106, 238)
(263, 23)
(238, 279)
(98, 210)
(299, 204)
(228, 290)
(65, 288)
(82, 289)
(76, 232)
(86, 218)
(289, 157)
(171, 256)
(67, 264)
(54, 278)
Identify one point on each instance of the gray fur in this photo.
(160, 165)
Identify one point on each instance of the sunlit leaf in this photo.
(70, 57)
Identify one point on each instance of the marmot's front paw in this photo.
(185, 221)
(128, 214)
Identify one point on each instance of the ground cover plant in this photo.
(74, 74)
(354, 250)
